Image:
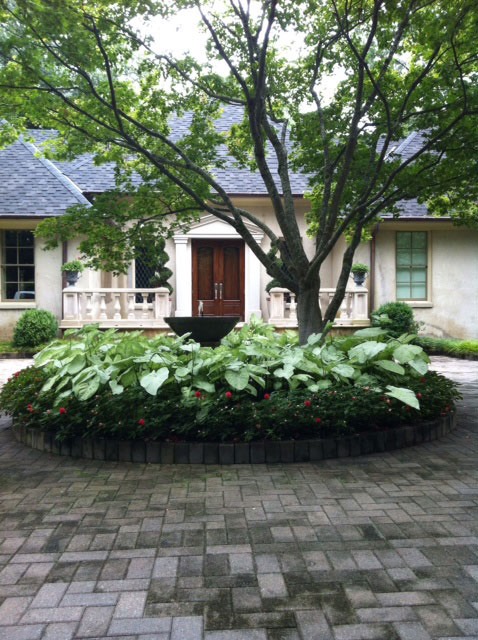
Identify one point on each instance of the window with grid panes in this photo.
(411, 265)
(143, 273)
(18, 265)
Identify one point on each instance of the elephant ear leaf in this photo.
(152, 381)
(406, 396)
(238, 380)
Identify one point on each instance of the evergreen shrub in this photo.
(35, 327)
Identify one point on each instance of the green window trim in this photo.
(411, 265)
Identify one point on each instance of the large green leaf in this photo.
(152, 381)
(76, 364)
(389, 365)
(237, 379)
(370, 332)
(366, 351)
(419, 365)
(406, 352)
(85, 388)
(404, 395)
(344, 370)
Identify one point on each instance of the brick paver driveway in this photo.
(384, 546)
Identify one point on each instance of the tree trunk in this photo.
(308, 312)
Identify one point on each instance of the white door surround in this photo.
(210, 227)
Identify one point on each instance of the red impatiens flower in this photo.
(228, 395)
(267, 396)
(307, 403)
(419, 396)
(318, 420)
(16, 374)
(198, 394)
(63, 411)
(30, 408)
(141, 422)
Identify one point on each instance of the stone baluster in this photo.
(131, 306)
(117, 306)
(144, 306)
(89, 306)
(103, 314)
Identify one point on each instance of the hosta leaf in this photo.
(237, 379)
(284, 372)
(182, 372)
(370, 332)
(389, 365)
(366, 351)
(344, 370)
(419, 365)
(204, 385)
(87, 387)
(406, 352)
(152, 381)
(406, 396)
(116, 388)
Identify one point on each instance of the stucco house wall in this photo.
(451, 308)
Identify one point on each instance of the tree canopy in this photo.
(86, 69)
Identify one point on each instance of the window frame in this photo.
(422, 301)
(4, 265)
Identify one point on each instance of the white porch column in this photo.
(184, 282)
(252, 283)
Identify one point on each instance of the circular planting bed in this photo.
(258, 397)
(258, 452)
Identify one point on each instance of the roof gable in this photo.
(33, 186)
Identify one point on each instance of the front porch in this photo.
(145, 309)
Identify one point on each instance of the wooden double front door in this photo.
(218, 277)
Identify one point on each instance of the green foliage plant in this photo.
(396, 317)
(448, 347)
(35, 327)
(73, 265)
(359, 267)
(256, 385)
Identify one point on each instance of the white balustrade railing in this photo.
(115, 307)
(353, 310)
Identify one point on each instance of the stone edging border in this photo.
(268, 451)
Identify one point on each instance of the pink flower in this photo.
(63, 411)
(267, 396)
(141, 422)
(307, 403)
(198, 394)
(419, 396)
(16, 374)
(228, 395)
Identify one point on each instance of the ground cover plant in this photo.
(257, 385)
(449, 347)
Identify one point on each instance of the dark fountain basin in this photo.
(207, 330)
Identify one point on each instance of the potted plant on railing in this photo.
(359, 272)
(72, 271)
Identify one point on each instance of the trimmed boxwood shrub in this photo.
(35, 327)
(396, 318)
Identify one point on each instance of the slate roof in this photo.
(92, 178)
(31, 186)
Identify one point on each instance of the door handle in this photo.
(215, 291)
(220, 290)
